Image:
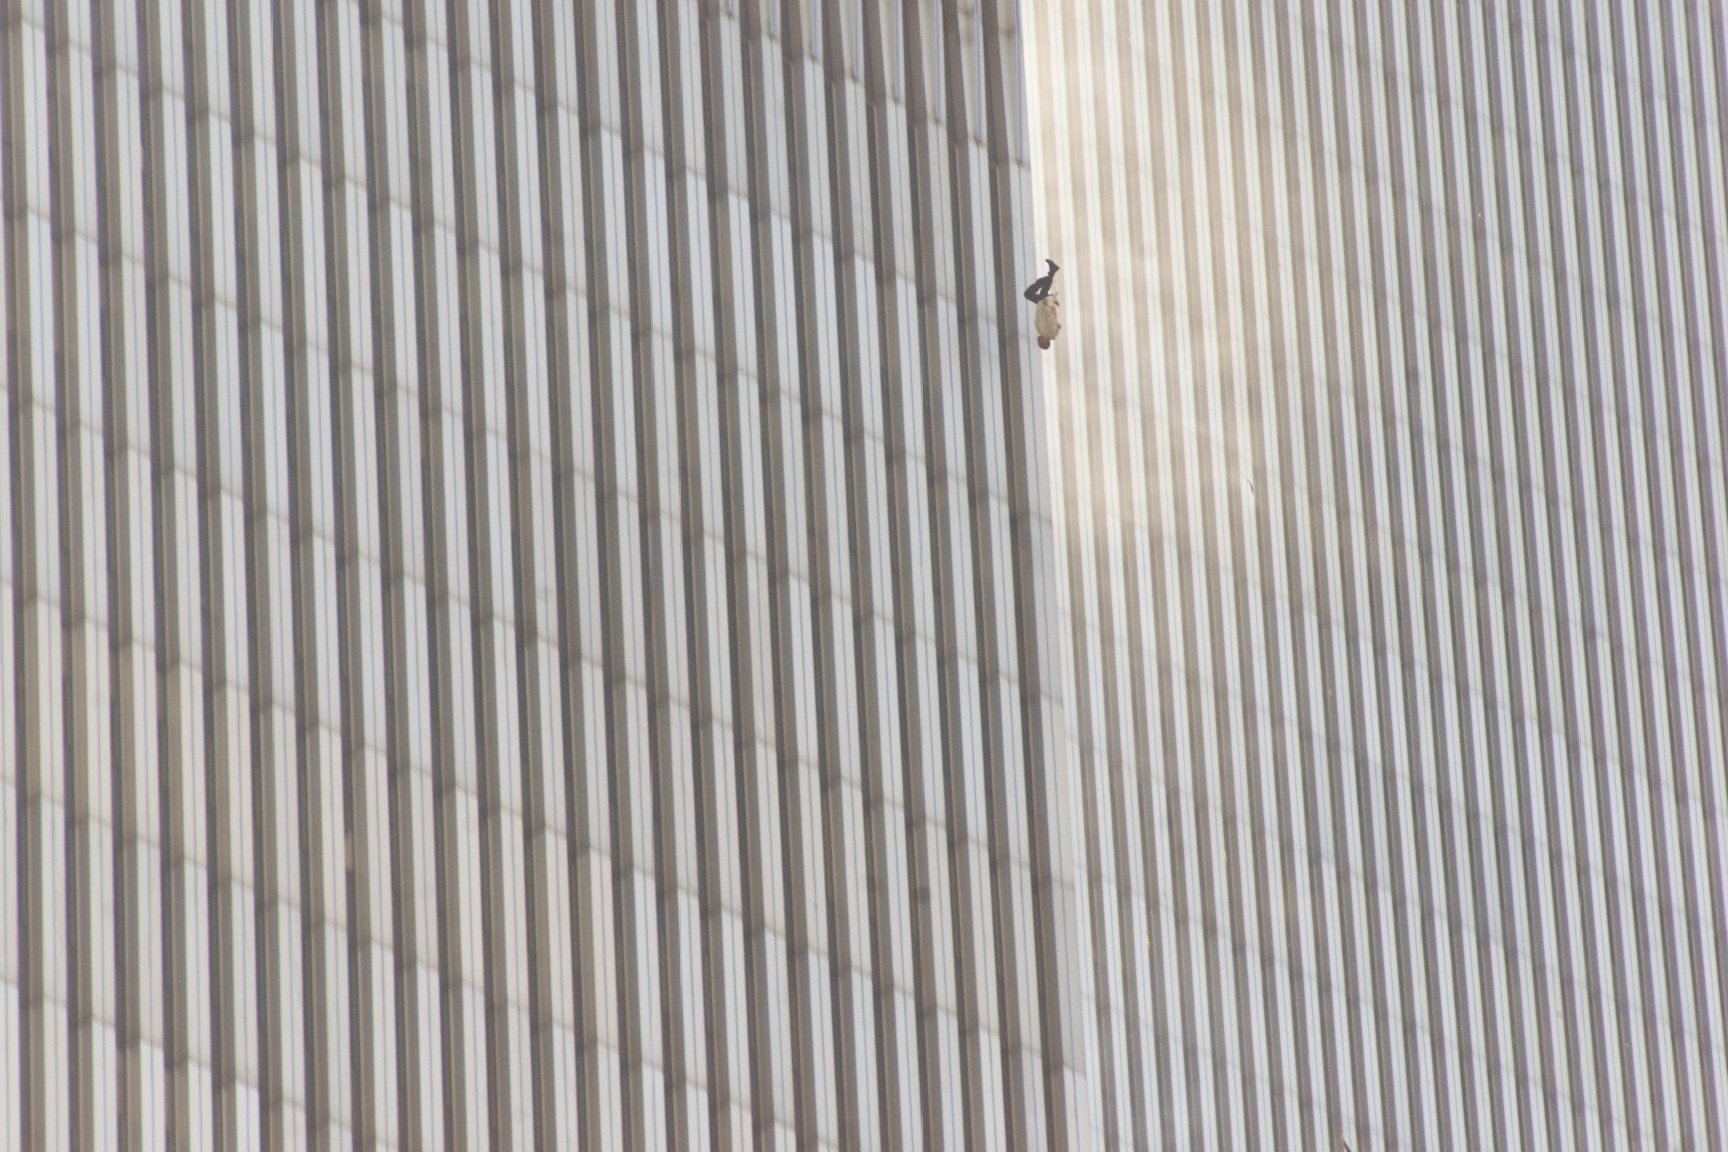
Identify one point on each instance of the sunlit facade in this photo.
(548, 597)
(1387, 434)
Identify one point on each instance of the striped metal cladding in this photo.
(548, 599)
(514, 541)
(1387, 435)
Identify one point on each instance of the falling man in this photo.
(1041, 292)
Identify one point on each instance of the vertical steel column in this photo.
(854, 36)
(617, 446)
(818, 38)
(12, 888)
(41, 867)
(141, 1105)
(364, 886)
(592, 1115)
(921, 783)
(765, 1037)
(392, 118)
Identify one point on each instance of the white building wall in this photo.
(518, 528)
(1388, 474)
(548, 599)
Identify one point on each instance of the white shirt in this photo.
(1049, 318)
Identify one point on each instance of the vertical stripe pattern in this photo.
(549, 598)
(515, 534)
(1385, 438)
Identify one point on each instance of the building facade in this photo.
(523, 564)
(1387, 444)
(549, 599)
